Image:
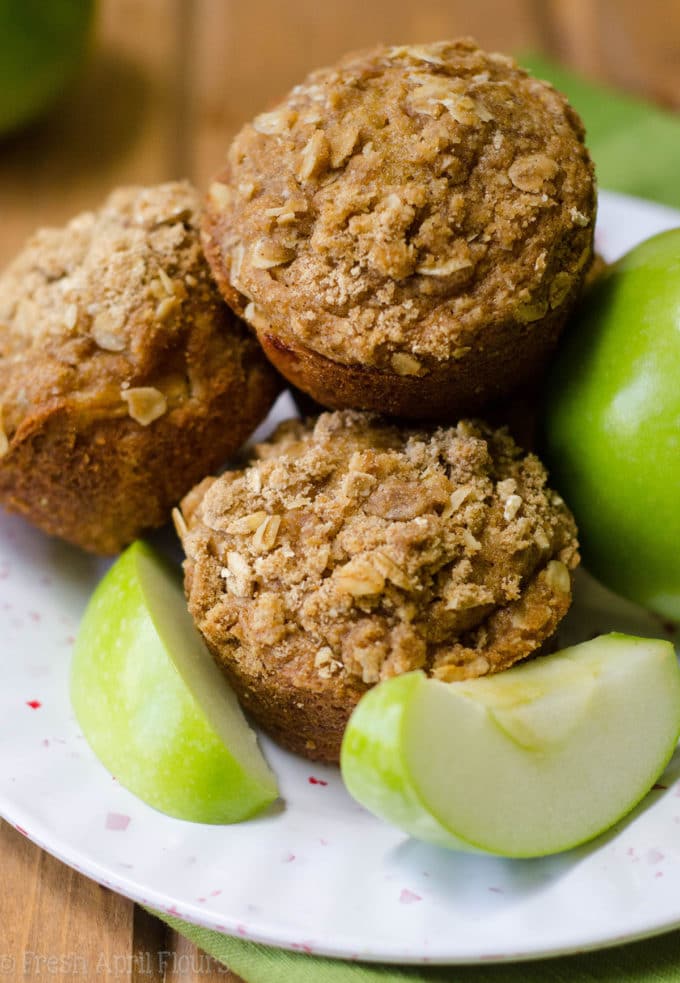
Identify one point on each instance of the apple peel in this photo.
(610, 425)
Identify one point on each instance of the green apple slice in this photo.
(153, 705)
(524, 763)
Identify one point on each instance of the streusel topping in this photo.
(351, 547)
(90, 310)
(395, 204)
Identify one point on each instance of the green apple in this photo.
(524, 763)
(42, 44)
(153, 705)
(612, 425)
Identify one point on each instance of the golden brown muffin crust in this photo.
(123, 376)
(395, 207)
(351, 551)
(86, 310)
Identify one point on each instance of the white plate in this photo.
(317, 873)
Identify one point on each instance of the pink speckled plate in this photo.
(316, 873)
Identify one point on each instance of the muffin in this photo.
(124, 378)
(407, 231)
(351, 550)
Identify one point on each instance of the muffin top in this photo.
(105, 313)
(392, 206)
(354, 548)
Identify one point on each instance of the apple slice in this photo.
(531, 761)
(153, 705)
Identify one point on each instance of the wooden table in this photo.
(168, 83)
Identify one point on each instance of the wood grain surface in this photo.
(167, 85)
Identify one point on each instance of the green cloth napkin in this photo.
(636, 148)
(652, 961)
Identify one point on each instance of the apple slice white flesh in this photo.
(153, 705)
(531, 761)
